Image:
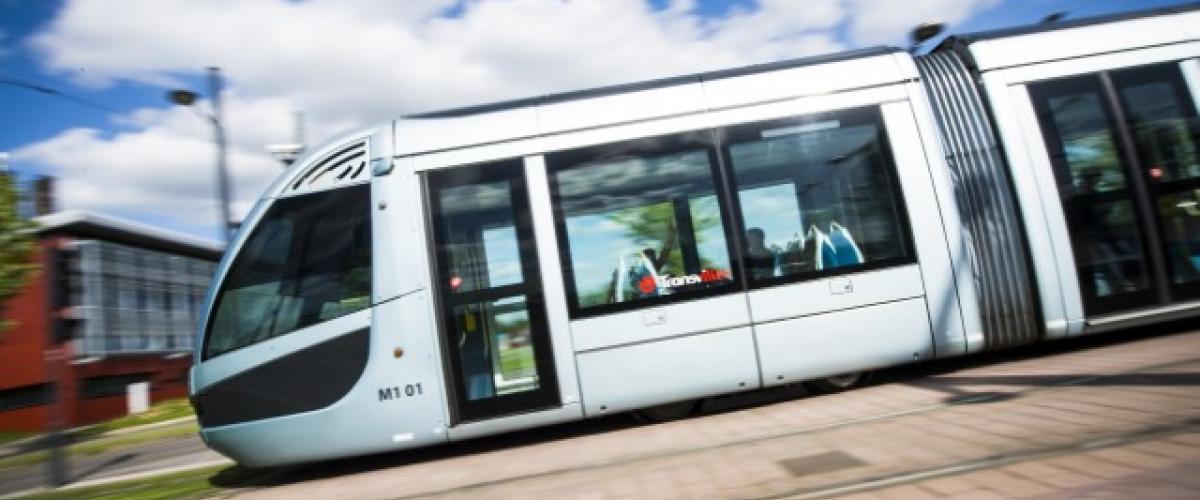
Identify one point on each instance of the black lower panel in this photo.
(306, 380)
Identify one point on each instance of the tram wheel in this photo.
(667, 412)
(838, 383)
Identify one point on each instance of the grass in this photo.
(10, 436)
(179, 485)
(160, 412)
(103, 444)
(517, 362)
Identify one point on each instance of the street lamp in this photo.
(188, 98)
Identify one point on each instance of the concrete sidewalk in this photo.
(1055, 426)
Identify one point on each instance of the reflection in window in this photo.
(816, 194)
(1102, 218)
(1162, 120)
(640, 226)
(1165, 135)
(1179, 214)
(1088, 147)
(481, 242)
(308, 260)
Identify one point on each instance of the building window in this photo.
(817, 195)
(24, 397)
(110, 385)
(640, 223)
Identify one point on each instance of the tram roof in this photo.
(655, 83)
(1076, 38)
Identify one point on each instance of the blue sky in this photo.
(348, 64)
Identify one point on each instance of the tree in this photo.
(16, 246)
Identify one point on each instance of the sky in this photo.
(118, 147)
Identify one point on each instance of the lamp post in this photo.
(188, 98)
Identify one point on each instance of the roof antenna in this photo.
(288, 153)
(923, 32)
(1053, 17)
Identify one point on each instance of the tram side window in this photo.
(818, 195)
(308, 260)
(642, 223)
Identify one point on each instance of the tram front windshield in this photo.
(308, 260)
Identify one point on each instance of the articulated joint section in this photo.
(986, 202)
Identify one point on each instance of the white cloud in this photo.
(164, 168)
(349, 64)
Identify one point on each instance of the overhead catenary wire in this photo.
(43, 89)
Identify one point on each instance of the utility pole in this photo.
(56, 464)
(187, 98)
(214, 91)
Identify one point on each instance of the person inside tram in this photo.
(1109, 253)
(475, 353)
(760, 260)
(643, 275)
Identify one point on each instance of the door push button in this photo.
(654, 317)
(840, 285)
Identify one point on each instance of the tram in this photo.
(640, 247)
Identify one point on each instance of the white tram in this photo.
(486, 269)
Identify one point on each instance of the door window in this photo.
(1162, 123)
(1092, 174)
(1123, 145)
(494, 330)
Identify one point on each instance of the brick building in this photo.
(114, 303)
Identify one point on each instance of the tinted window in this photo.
(1090, 167)
(22, 397)
(1161, 118)
(308, 260)
(817, 195)
(111, 385)
(641, 222)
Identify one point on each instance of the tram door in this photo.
(494, 331)
(1123, 146)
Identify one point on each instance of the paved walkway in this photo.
(1103, 422)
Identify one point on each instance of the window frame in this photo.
(680, 142)
(870, 114)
